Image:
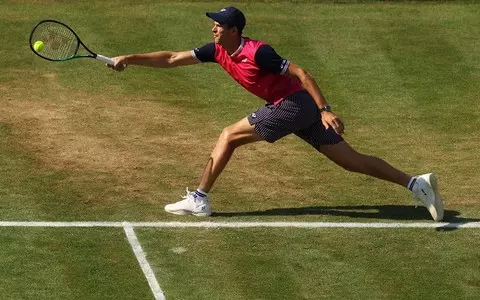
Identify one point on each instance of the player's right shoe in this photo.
(190, 205)
(426, 192)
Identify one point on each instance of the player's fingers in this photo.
(325, 124)
(338, 126)
(120, 67)
(339, 130)
(117, 66)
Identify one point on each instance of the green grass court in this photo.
(81, 143)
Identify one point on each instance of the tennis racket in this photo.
(55, 41)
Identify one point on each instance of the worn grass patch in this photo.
(143, 135)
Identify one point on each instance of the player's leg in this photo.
(346, 157)
(423, 186)
(336, 149)
(233, 136)
(269, 123)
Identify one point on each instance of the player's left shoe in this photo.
(426, 192)
(190, 205)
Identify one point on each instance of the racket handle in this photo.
(105, 59)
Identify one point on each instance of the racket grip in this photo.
(105, 59)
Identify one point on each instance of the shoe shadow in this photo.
(387, 212)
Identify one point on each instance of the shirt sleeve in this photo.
(205, 53)
(268, 60)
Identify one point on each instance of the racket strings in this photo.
(60, 42)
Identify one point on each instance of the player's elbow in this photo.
(169, 60)
(178, 59)
(172, 61)
(300, 73)
(305, 74)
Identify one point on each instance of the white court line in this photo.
(59, 224)
(142, 260)
(147, 270)
(245, 224)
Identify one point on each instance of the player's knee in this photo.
(228, 136)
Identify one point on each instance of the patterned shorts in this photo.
(297, 114)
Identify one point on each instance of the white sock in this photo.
(201, 193)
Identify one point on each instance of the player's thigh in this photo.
(341, 153)
(318, 136)
(240, 133)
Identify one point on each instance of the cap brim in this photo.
(216, 17)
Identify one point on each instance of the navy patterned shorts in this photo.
(297, 114)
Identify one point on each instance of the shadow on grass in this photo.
(386, 212)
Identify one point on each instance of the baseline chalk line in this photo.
(244, 224)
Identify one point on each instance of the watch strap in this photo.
(326, 108)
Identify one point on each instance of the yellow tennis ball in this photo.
(38, 46)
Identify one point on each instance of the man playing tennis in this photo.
(295, 105)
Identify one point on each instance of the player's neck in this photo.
(233, 45)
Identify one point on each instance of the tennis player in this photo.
(294, 104)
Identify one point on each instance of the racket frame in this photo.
(105, 59)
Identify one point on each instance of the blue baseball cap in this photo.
(231, 16)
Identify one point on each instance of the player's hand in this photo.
(329, 119)
(120, 63)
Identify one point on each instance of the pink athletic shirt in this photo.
(255, 66)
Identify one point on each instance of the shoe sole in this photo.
(182, 212)
(437, 209)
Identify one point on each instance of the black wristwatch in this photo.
(326, 108)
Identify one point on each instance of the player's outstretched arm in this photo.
(160, 59)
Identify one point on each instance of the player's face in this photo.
(221, 33)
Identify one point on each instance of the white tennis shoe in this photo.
(190, 205)
(426, 193)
